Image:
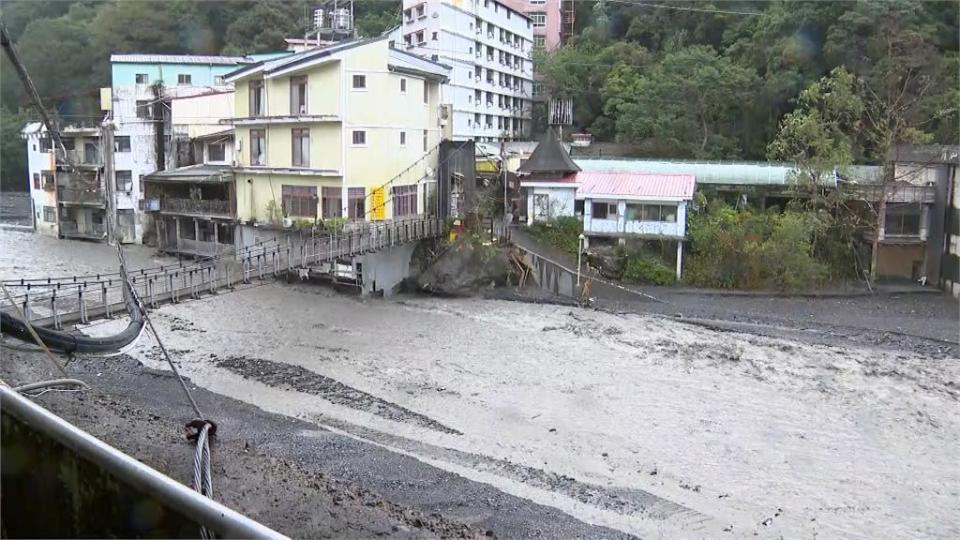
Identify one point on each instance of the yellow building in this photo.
(349, 130)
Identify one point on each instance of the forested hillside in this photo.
(713, 79)
(700, 78)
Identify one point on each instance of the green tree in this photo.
(689, 100)
(13, 152)
(263, 26)
(56, 53)
(820, 134)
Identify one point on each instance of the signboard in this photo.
(378, 210)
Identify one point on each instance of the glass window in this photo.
(403, 86)
(425, 140)
(539, 41)
(298, 95)
(360, 81)
(216, 152)
(257, 100)
(301, 147)
(184, 79)
(46, 144)
(68, 143)
(36, 180)
(404, 200)
(258, 147)
(144, 109)
(403, 138)
(299, 201)
(121, 143)
(125, 181)
(356, 208)
(331, 202)
(49, 214)
(539, 19)
(426, 92)
(668, 213)
(651, 212)
(603, 210)
(902, 219)
(359, 137)
(143, 78)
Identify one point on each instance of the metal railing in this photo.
(81, 196)
(192, 206)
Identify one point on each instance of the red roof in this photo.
(629, 184)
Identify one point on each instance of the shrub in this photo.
(647, 269)
(748, 249)
(562, 233)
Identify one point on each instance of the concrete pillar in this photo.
(196, 230)
(621, 217)
(679, 259)
(216, 232)
(531, 195)
(176, 225)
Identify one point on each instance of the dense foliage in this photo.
(562, 233)
(744, 248)
(713, 78)
(648, 269)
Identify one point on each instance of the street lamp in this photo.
(579, 256)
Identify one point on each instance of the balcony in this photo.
(82, 158)
(92, 231)
(195, 207)
(81, 196)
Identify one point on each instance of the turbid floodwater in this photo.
(575, 422)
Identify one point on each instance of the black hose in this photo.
(73, 343)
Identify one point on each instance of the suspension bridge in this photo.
(58, 301)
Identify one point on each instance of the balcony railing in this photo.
(92, 196)
(198, 207)
(91, 230)
(79, 157)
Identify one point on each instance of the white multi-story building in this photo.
(488, 45)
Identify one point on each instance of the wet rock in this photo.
(465, 268)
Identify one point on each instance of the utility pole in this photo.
(106, 145)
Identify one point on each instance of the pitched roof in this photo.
(619, 185)
(549, 157)
(179, 59)
(706, 172)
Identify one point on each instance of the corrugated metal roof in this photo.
(776, 174)
(628, 184)
(179, 59)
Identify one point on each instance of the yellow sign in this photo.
(378, 208)
(106, 99)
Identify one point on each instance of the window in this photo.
(218, 80)
(298, 95)
(404, 200)
(359, 137)
(603, 210)
(359, 82)
(331, 202)
(46, 144)
(121, 143)
(48, 181)
(301, 147)
(257, 100)
(408, 14)
(652, 212)
(49, 214)
(184, 79)
(124, 181)
(538, 2)
(258, 147)
(299, 201)
(403, 86)
(426, 92)
(68, 144)
(143, 109)
(541, 205)
(403, 138)
(421, 11)
(433, 36)
(902, 219)
(36, 180)
(357, 203)
(539, 19)
(537, 88)
(143, 78)
(539, 42)
(424, 140)
(142, 189)
(216, 152)
(420, 38)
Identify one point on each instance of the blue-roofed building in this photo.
(141, 87)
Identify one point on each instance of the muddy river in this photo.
(639, 423)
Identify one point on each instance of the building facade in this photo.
(144, 140)
(348, 132)
(552, 20)
(488, 46)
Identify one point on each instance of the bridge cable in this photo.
(33, 332)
